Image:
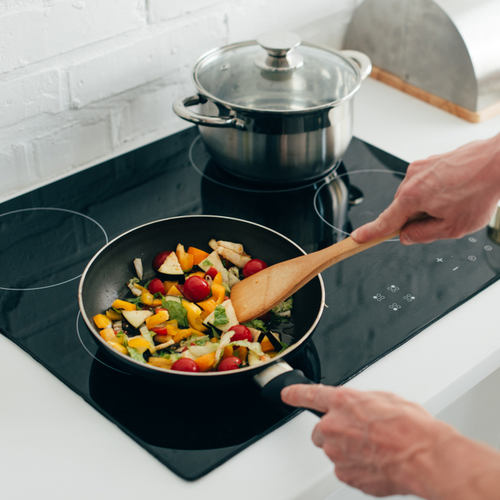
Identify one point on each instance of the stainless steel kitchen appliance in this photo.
(275, 109)
(446, 52)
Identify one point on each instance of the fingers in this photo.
(424, 231)
(306, 396)
(366, 478)
(394, 217)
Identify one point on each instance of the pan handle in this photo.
(278, 376)
(181, 106)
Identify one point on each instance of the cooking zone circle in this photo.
(378, 188)
(206, 166)
(59, 244)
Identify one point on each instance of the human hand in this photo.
(379, 442)
(459, 192)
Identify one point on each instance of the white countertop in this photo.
(53, 445)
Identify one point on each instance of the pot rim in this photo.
(207, 95)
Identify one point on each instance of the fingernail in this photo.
(405, 240)
(354, 234)
(285, 391)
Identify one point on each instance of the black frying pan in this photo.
(107, 274)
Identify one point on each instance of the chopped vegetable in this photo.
(186, 260)
(181, 317)
(138, 268)
(136, 318)
(171, 267)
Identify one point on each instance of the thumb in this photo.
(391, 219)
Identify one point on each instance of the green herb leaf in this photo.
(283, 347)
(176, 311)
(135, 301)
(206, 262)
(258, 324)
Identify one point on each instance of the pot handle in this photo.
(362, 60)
(181, 109)
(278, 376)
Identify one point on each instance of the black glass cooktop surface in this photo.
(375, 301)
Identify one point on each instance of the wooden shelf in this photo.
(439, 102)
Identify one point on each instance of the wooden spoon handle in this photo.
(264, 290)
(322, 259)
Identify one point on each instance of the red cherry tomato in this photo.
(253, 266)
(196, 289)
(156, 286)
(242, 333)
(229, 363)
(160, 259)
(212, 272)
(185, 365)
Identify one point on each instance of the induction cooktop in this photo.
(375, 301)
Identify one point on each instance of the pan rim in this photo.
(142, 366)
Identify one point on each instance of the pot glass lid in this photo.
(276, 73)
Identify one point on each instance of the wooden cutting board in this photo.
(439, 102)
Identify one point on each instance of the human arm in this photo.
(459, 191)
(385, 445)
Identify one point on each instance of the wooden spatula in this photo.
(259, 293)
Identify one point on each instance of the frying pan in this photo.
(106, 275)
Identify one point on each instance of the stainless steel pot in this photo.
(275, 109)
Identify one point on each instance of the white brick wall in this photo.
(82, 81)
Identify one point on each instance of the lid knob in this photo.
(279, 56)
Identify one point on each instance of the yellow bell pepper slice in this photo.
(113, 315)
(228, 351)
(242, 354)
(186, 260)
(266, 345)
(123, 304)
(184, 334)
(208, 305)
(108, 334)
(102, 321)
(201, 274)
(174, 291)
(196, 322)
(168, 285)
(218, 278)
(156, 319)
(194, 316)
(147, 298)
(165, 363)
(139, 343)
(199, 255)
(119, 347)
(218, 292)
(206, 362)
